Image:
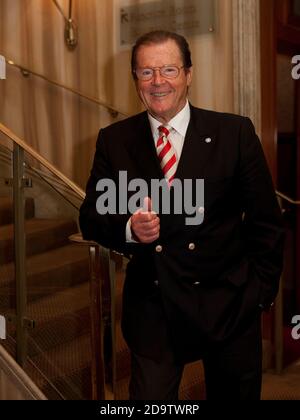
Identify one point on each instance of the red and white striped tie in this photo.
(166, 154)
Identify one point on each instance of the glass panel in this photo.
(57, 343)
(57, 289)
(7, 265)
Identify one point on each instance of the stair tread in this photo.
(6, 202)
(43, 262)
(33, 225)
(7, 210)
(65, 359)
(60, 304)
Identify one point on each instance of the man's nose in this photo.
(157, 78)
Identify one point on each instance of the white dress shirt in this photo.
(178, 128)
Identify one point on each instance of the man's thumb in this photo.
(147, 204)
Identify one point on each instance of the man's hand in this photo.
(145, 225)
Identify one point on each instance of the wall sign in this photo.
(189, 17)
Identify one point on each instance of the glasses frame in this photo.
(160, 69)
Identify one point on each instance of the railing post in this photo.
(278, 320)
(278, 333)
(103, 319)
(97, 326)
(20, 252)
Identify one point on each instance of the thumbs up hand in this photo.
(145, 224)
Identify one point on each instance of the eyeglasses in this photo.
(169, 72)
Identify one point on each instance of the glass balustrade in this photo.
(45, 285)
(7, 245)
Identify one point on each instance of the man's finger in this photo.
(147, 204)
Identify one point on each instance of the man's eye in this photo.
(169, 70)
(146, 72)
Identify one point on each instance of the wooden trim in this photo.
(268, 84)
(7, 132)
(285, 13)
(283, 8)
(288, 25)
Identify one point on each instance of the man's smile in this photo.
(159, 94)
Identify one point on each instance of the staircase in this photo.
(59, 351)
(59, 354)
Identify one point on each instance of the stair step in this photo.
(192, 386)
(59, 318)
(7, 211)
(47, 273)
(122, 355)
(41, 235)
(66, 367)
(75, 386)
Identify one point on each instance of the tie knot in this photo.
(163, 130)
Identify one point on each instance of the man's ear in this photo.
(189, 76)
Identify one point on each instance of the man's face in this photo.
(162, 97)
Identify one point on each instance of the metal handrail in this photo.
(55, 183)
(114, 111)
(17, 140)
(287, 198)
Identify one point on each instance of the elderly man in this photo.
(193, 290)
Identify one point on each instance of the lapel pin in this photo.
(208, 140)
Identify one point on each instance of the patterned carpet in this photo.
(282, 387)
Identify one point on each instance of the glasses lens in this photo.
(169, 72)
(144, 74)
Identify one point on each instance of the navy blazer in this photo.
(211, 277)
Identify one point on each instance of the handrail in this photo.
(288, 199)
(6, 131)
(26, 72)
(21, 384)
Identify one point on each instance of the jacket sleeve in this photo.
(263, 224)
(109, 230)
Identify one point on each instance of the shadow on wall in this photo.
(119, 85)
(83, 158)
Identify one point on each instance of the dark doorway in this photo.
(288, 160)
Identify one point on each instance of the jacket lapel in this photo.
(143, 152)
(198, 146)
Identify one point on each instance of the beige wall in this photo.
(64, 127)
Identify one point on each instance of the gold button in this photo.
(158, 248)
(192, 246)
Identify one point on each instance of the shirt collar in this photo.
(180, 122)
